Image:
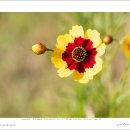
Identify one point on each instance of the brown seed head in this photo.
(39, 48)
(107, 39)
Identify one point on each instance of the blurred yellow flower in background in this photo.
(126, 46)
(79, 53)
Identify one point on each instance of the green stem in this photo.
(111, 88)
(47, 49)
(111, 55)
(80, 100)
(122, 81)
(108, 18)
(120, 87)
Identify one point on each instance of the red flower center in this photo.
(80, 55)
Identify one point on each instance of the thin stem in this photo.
(80, 100)
(114, 39)
(111, 55)
(117, 94)
(124, 76)
(47, 49)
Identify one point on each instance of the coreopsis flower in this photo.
(126, 46)
(39, 48)
(78, 53)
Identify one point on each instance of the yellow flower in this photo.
(126, 46)
(78, 53)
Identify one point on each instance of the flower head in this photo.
(78, 53)
(126, 46)
(39, 48)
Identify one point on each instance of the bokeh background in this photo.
(29, 84)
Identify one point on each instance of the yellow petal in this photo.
(94, 36)
(98, 66)
(77, 31)
(63, 40)
(87, 76)
(64, 72)
(56, 58)
(126, 51)
(101, 49)
(126, 46)
(126, 39)
(85, 79)
(77, 75)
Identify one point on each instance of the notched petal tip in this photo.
(77, 31)
(94, 36)
(64, 72)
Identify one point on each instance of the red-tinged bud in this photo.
(39, 48)
(107, 39)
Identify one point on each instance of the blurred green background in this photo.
(29, 84)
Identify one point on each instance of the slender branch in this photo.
(47, 49)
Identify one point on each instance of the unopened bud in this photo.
(107, 39)
(39, 48)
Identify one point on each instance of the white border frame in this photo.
(65, 123)
(64, 6)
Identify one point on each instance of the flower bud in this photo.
(107, 39)
(39, 48)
